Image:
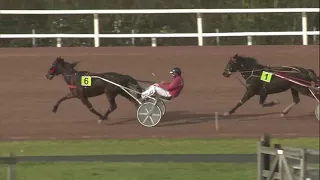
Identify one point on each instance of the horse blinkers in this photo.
(52, 72)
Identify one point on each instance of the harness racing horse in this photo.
(98, 87)
(251, 71)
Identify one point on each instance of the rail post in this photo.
(153, 42)
(314, 36)
(200, 30)
(303, 164)
(11, 168)
(96, 30)
(249, 40)
(279, 166)
(33, 39)
(217, 38)
(259, 161)
(304, 29)
(132, 39)
(265, 164)
(58, 42)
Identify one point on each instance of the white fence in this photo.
(96, 35)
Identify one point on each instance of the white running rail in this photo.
(96, 35)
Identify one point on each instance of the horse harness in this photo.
(74, 79)
(263, 90)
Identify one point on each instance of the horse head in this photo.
(233, 65)
(59, 66)
(54, 69)
(239, 63)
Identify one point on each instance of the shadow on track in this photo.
(178, 118)
(174, 118)
(266, 116)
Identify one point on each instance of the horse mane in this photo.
(66, 64)
(74, 64)
(247, 60)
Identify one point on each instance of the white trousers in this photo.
(155, 89)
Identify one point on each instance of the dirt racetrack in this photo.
(27, 97)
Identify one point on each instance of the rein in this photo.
(253, 70)
(294, 78)
(270, 68)
(277, 71)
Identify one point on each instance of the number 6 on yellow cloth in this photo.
(85, 81)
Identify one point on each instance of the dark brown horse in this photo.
(251, 71)
(98, 87)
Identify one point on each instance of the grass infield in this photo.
(138, 171)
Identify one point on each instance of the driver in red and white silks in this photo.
(166, 89)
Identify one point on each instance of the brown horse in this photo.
(251, 71)
(72, 77)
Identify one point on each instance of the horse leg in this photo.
(263, 97)
(86, 102)
(249, 94)
(296, 100)
(70, 95)
(112, 105)
(263, 102)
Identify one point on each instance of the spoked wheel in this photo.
(148, 114)
(317, 112)
(161, 105)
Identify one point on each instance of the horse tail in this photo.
(133, 84)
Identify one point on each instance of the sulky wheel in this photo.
(161, 105)
(149, 114)
(317, 112)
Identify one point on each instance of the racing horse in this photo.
(251, 71)
(98, 87)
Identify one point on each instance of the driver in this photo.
(166, 89)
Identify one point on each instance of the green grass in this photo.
(3, 171)
(145, 146)
(135, 171)
(138, 171)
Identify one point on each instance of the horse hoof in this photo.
(54, 109)
(226, 114)
(100, 121)
(282, 114)
(276, 102)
